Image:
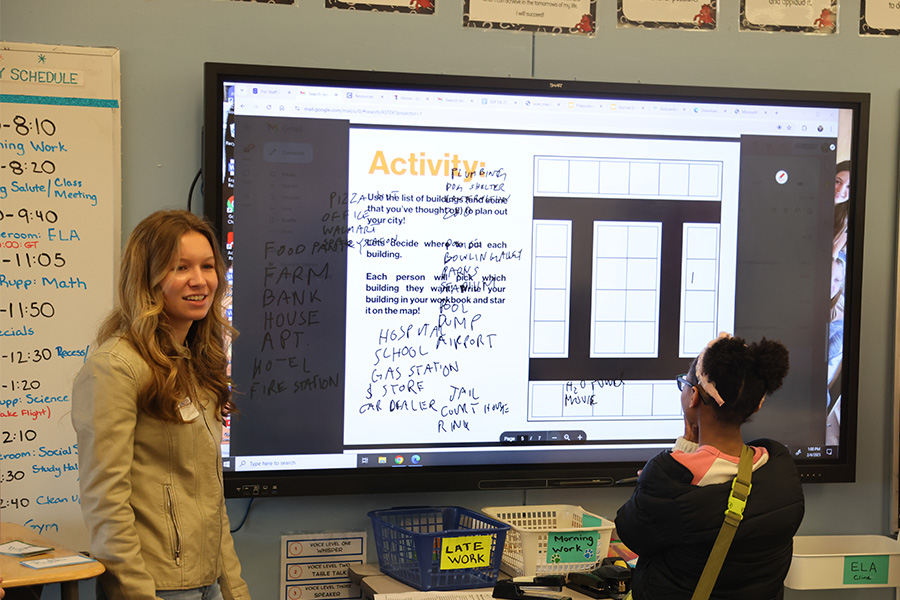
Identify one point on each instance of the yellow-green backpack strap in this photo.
(737, 501)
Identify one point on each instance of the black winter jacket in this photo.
(672, 525)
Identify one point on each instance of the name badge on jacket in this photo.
(187, 410)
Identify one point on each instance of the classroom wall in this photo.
(164, 43)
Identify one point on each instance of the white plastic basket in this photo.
(526, 549)
(824, 562)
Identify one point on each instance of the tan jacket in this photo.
(151, 490)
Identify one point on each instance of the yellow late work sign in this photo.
(466, 552)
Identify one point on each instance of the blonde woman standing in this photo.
(147, 408)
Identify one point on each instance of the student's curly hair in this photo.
(151, 251)
(743, 374)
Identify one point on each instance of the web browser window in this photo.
(463, 278)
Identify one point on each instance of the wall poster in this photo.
(795, 16)
(546, 16)
(421, 7)
(667, 14)
(879, 17)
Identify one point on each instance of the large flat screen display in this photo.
(474, 283)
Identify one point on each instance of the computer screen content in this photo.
(456, 282)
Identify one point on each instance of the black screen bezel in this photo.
(550, 475)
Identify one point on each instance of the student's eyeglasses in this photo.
(682, 382)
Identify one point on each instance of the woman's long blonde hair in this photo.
(151, 251)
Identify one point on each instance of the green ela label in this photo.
(866, 570)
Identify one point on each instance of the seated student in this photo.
(678, 506)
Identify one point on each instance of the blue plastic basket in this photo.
(410, 541)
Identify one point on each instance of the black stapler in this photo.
(610, 580)
(587, 584)
(528, 588)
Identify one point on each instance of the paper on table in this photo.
(20, 548)
(57, 561)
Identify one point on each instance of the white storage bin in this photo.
(526, 549)
(844, 561)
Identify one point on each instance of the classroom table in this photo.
(17, 576)
(372, 581)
